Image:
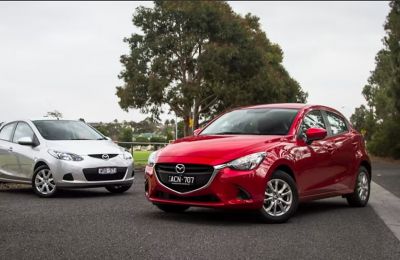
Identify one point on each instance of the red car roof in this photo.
(281, 105)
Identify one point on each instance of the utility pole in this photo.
(176, 127)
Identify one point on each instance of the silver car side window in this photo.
(23, 130)
(7, 131)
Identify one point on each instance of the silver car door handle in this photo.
(10, 149)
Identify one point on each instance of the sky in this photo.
(65, 55)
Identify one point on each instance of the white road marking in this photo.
(387, 207)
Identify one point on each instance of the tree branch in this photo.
(208, 105)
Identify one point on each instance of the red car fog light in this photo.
(243, 194)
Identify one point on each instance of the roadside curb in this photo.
(387, 207)
(8, 186)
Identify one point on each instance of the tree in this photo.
(392, 42)
(363, 121)
(54, 113)
(126, 135)
(158, 139)
(141, 139)
(102, 128)
(382, 93)
(170, 136)
(147, 125)
(201, 58)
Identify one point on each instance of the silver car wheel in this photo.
(278, 197)
(362, 186)
(44, 182)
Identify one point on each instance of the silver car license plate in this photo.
(107, 170)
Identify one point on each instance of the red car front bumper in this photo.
(228, 189)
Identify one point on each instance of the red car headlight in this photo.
(248, 162)
(152, 158)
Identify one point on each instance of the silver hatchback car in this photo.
(52, 154)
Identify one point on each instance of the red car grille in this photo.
(201, 173)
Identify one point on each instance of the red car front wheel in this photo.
(280, 198)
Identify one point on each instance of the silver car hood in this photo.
(85, 147)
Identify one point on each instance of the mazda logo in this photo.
(180, 168)
(105, 157)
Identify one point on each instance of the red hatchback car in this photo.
(266, 158)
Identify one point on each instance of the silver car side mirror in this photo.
(26, 141)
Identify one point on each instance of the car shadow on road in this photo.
(206, 216)
(235, 217)
(67, 193)
(85, 193)
(322, 207)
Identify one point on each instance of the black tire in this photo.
(172, 208)
(36, 189)
(355, 199)
(281, 178)
(118, 188)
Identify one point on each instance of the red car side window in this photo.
(312, 119)
(337, 123)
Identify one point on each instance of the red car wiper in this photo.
(228, 133)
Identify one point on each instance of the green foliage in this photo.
(158, 139)
(381, 118)
(141, 139)
(103, 129)
(385, 141)
(363, 121)
(126, 135)
(392, 42)
(114, 129)
(147, 125)
(170, 136)
(181, 126)
(201, 58)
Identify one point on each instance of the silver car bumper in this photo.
(63, 170)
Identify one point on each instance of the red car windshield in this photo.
(259, 121)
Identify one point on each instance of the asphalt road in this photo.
(387, 174)
(94, 224)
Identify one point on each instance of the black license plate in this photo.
(181, 180)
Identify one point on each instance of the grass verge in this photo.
(140, 158)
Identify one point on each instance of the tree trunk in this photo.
(186, 129)
(196, 116)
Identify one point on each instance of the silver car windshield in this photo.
(259, 121)
(66, 130)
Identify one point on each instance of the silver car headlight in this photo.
(127, 156)
(65, 156)
(248, 162)
(125, 153)
(152, 158)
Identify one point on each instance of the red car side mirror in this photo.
(314, 134)
(197, 131)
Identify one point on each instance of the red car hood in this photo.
(214, 149)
